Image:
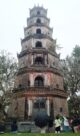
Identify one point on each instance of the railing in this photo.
(41, 68)
(29, 88)
(41, 90)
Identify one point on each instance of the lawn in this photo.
(48, 134)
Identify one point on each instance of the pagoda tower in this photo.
(39, 81)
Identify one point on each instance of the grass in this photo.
(47, 134)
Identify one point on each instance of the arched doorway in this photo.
(39, 105)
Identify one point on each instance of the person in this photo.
(76, 124)
(50, 124)
(66, 127)
(57, 124)
(2, 127)
(14, 127)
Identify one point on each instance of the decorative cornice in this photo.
(37, 50)
(39, 68)
(32, 50)
(38, 24)
(38, 7)
(36, 36)
(40, 91)
(38, 16)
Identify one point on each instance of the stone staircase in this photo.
(28, 127)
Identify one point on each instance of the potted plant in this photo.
(41, 120)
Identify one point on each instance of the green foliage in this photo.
(71, 74)
(71, 71)
(8, 67)
(76, 52)
(74, 105)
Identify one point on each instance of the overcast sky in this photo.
(64, 17)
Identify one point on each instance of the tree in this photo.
(71, 71)
(71, 74)
(74, 105)
(8, 67)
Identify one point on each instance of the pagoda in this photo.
(39, 81)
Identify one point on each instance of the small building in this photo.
(39, 81)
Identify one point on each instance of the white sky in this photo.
(64, 16)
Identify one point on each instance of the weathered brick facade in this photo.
(39, 82)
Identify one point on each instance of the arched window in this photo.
(38, 31)
(38, 44)
(38, 12)
(39, 60)
(38, 20)
(40, 103)
(39, 81)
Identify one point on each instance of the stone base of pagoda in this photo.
(22, 106)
